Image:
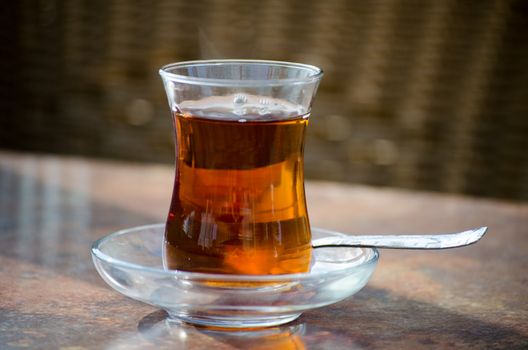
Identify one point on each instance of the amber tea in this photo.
(238, 204)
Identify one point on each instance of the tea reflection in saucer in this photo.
(278, 338)
(156, 328)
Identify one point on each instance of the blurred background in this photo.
(428, 95)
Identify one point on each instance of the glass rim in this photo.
(372, 257)
(315, 73)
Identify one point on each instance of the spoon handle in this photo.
(441, 241)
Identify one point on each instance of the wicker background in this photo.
(417, 94)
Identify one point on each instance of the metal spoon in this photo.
(441, 241)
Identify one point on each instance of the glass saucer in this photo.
(130, 261)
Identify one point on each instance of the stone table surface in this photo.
(52, 208)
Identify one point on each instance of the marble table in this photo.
(52, 208)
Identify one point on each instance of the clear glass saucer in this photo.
(130, 261)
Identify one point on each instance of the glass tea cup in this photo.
(238, 204)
